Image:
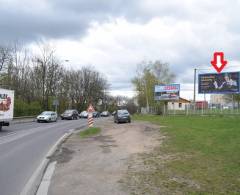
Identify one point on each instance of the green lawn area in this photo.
(202, 155)
(90, 132)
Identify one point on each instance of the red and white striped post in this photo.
(90, 111)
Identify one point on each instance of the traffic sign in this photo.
(55, 102)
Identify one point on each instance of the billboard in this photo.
(167, 92)
(223, 83)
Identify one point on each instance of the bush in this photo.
(22, 108)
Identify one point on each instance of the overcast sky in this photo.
(115, 35)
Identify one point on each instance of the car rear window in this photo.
(123, 112)
(68, 111)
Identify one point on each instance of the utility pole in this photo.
(147, 97)
(194, 92)
(195, 79)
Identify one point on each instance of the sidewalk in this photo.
(97, 165)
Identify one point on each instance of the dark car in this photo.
(70, 115)
(96, 114)
(122, 116)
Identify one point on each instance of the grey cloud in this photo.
(69, 18)
(29, 27)
(60, 19)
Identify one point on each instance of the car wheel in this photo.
(38, 121)
(129, 121)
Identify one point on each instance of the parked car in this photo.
(47, 116)
(96, 114)
(122, 116)
(105, 114)
(70, 115)
(83, 114)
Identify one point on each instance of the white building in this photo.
(180, 104)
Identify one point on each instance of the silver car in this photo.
(47, 116)
(83, 114)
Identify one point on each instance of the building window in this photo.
(180, 105)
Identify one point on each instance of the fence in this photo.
(192, 109)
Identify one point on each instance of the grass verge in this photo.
(201, 155)
(90, 132)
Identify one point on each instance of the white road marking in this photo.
(23, 133)
(43, 188)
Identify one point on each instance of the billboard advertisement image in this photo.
(167, 92)
(214, 83)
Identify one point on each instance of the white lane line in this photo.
(8, 134)
(43, 188)
(23, 133)
(31, 186)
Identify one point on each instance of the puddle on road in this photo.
(107, 143)
(147, 128)
(62, 155)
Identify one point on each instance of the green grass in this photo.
(90, 132)
(204, 151)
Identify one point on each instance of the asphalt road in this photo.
(23, 147)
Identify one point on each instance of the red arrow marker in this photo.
(218, 61)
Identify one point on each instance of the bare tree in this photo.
(5, 57)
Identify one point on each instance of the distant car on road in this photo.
(70, 115)
(122, 116)
(105, 114)
(47, 116)
(96, 114)
(83, 114)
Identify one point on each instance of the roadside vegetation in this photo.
(40, 77)
(90, 132)
(149, 74)
(200, 155)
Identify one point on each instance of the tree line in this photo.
(148, 75)
(41, 79)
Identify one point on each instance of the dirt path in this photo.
(97, 165)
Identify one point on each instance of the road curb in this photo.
(22, 121)
(33, 183)
(45, 183)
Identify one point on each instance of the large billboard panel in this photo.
(223, 83)
(167, 92)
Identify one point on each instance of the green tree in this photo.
(148, 75)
